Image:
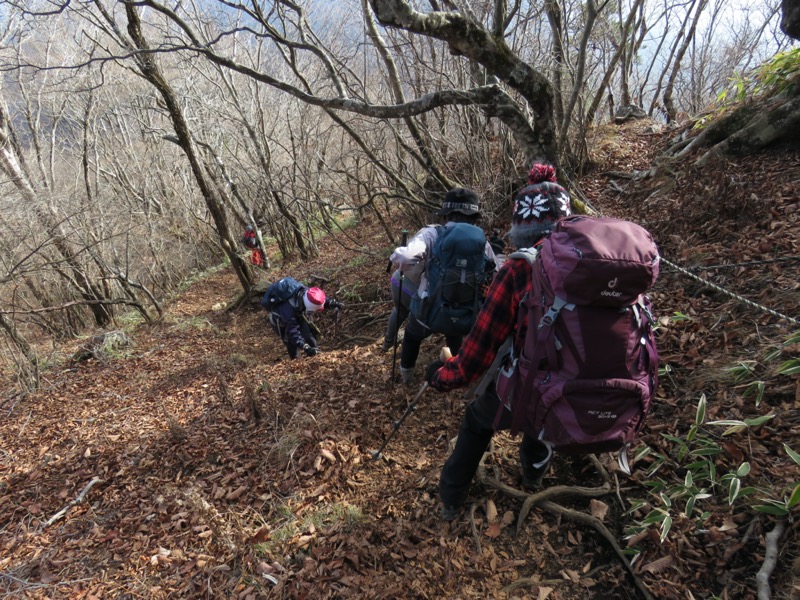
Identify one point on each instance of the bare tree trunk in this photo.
(149, 68)
(669, 105)
(601, 90)
(428, 160)
(553, 10)
(591, 16)
(630, 51)
(32, 366)
(750, 127)
(467, 38)
(652, 64)
(11, 165)
(295, 224)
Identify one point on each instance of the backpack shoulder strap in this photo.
(502, 353)
(507, 348)
(528, 254)
(431, 246)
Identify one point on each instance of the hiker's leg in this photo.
(305, 331)
(403, 303)
(291, 348)
(279, 327)
(415, 333)
(532, 450)
(391, 329)
(473, 438)
(275, 323)
(534, 457)
(402, 315)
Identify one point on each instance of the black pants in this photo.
(396, 318)
(415, 333)
(401, 305)
(279, 327)
(477, 428)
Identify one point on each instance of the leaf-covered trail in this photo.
(228, 471)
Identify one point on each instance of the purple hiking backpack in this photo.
(584, 380)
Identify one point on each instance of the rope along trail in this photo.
(765, 309)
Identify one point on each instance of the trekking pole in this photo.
(411, 408)
(443, 355)
(397, 307)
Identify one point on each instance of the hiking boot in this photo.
(532, 476)
(407, 375)
(533, 482)
(387, 345)
(449, 512)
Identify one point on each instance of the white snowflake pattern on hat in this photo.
(535, 206)
(563, 204)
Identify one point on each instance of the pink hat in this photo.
(314, 299)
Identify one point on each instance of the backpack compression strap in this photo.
(506, 349)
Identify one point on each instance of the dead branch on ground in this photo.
(78, 500)
(542, 499)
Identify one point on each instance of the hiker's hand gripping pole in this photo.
(397, 307)
(443, 355)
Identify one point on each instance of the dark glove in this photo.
(430, 372)
(310, 350)
(334, 304)
(497, 243)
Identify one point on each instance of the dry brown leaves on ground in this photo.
(219, 468)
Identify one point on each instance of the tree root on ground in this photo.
(474, 528)
(543, 500)
(770, 559)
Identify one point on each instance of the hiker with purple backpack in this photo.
(499, 347)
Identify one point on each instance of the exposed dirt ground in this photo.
(202, 463)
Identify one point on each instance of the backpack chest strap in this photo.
(546, 342)
(552, 313)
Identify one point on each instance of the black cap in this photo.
(460, 200)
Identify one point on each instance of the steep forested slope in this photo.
(200, 462)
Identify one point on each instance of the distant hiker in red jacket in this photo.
(250, 240)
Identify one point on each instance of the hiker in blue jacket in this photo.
(460, 205)
(289, 303)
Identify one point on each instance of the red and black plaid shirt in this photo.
(496, 320)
